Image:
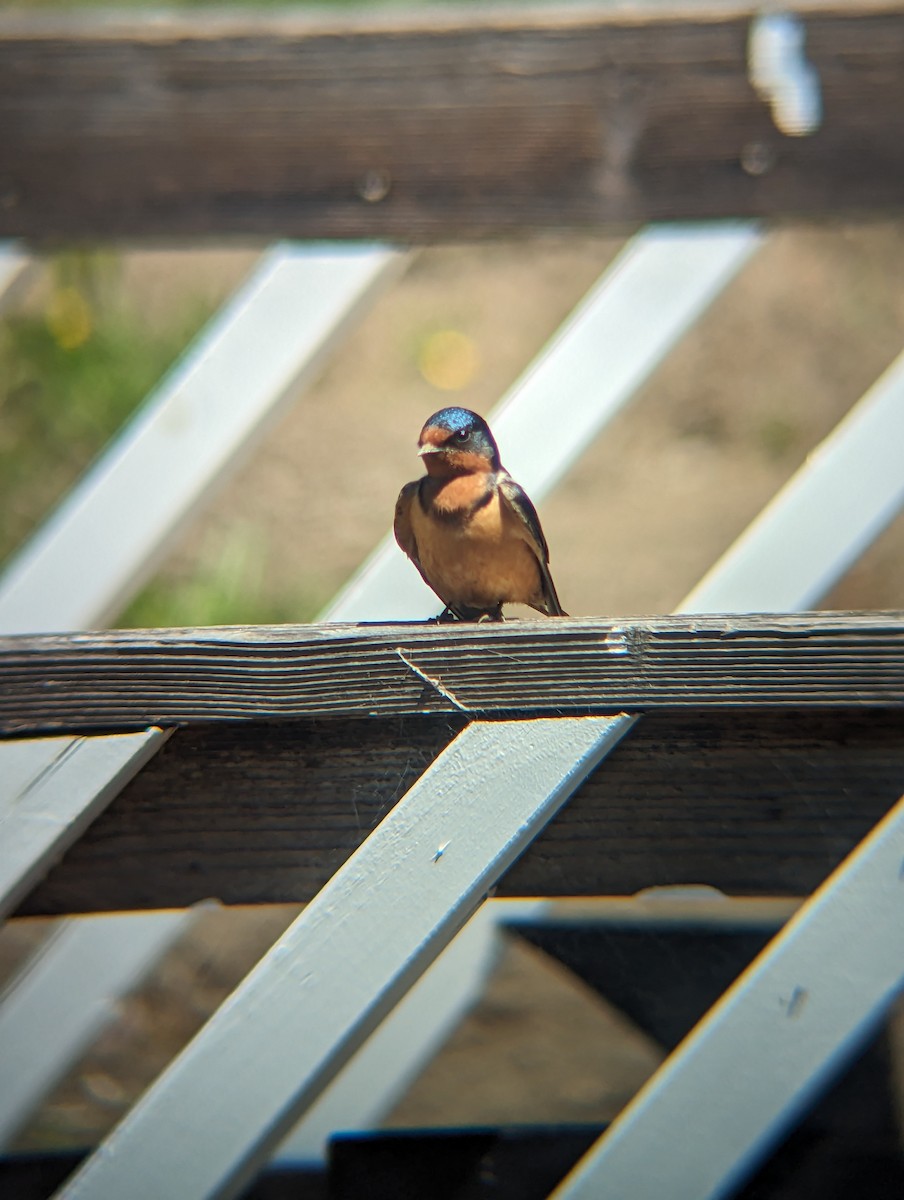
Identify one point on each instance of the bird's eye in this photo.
(462, 435)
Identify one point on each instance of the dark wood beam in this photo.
(128, 679)
(434, 124)
(755, 803)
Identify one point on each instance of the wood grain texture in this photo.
(754, 803)
(436, 124)
(131, 679)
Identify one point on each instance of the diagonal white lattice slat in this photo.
(108, 534)
(800, 1010)
(297, 304)
(821, 521)
(53, 788)
(110, 951)
(14, 265)
(430, 862)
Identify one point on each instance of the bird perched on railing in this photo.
(470, 530)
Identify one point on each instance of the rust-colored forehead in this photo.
(434, 435)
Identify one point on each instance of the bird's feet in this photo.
(495, 614)
(469, 614)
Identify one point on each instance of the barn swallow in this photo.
(470, 530)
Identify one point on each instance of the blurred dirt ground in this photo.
(733, 412)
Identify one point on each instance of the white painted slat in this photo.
(107, 536)
(758, 574)
(75, 950)
(14, 263)
(94, 551)
(391, 1059)
(820, 522)
(51, 791)
(797, 1014)
(381, 1071)
(381, 919)
(660, 284)
(797, 548)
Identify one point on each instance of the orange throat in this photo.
(450, 463)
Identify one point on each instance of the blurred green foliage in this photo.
(227, 587)
(137, 5)
(72, 369)
(74, 365)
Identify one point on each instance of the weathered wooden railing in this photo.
(318, 730)
(501, 120)
(124, 679)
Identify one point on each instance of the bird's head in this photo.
(456, 441)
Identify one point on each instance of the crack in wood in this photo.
(435, 683)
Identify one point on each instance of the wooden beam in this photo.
(755, 803)
(437, 124)
(125, 679)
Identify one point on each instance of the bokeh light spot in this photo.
(448, 360)
(69, 318)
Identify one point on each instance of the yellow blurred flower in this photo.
(69, 318)
(448, 360)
